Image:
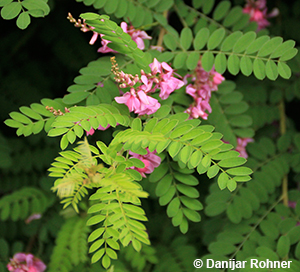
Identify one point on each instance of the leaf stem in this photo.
(255, 227)
(180, 17)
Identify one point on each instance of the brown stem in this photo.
(162, 32)
(30, 243)
(285, 196)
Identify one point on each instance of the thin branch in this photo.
(282, 132)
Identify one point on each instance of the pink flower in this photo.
(168, 86)
(292, 204)
(34, 216)
(148, 104)
(217, 80)
(130, 100)
(139, 102)
(138, 99)
(155, 66)
(94, 38)
(198, 109)
(203, 83)
(92, 130)
(104, 48)
(150, 160)
(258, 12)
(22, 262)
(165, 80)
(137, 36)
(241, 146)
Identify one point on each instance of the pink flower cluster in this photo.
(22, 262)
(137, 99)
(150, 160)
(241, 146)
(137, 36)
(203, 84)
(258, 12)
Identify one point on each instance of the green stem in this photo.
(180, 17)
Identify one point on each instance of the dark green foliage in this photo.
(225, 206)
(71, 247)
(23, 203)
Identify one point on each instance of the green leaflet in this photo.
(215, 38)
(23, 10)
(201, 38)
(186, 38)
(221, 10)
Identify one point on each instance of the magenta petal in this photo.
(124, 26)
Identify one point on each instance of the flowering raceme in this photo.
(138, 99)
(22, 262)
(258, 12)
(150, 160)
(203, 84)
(138, 36)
